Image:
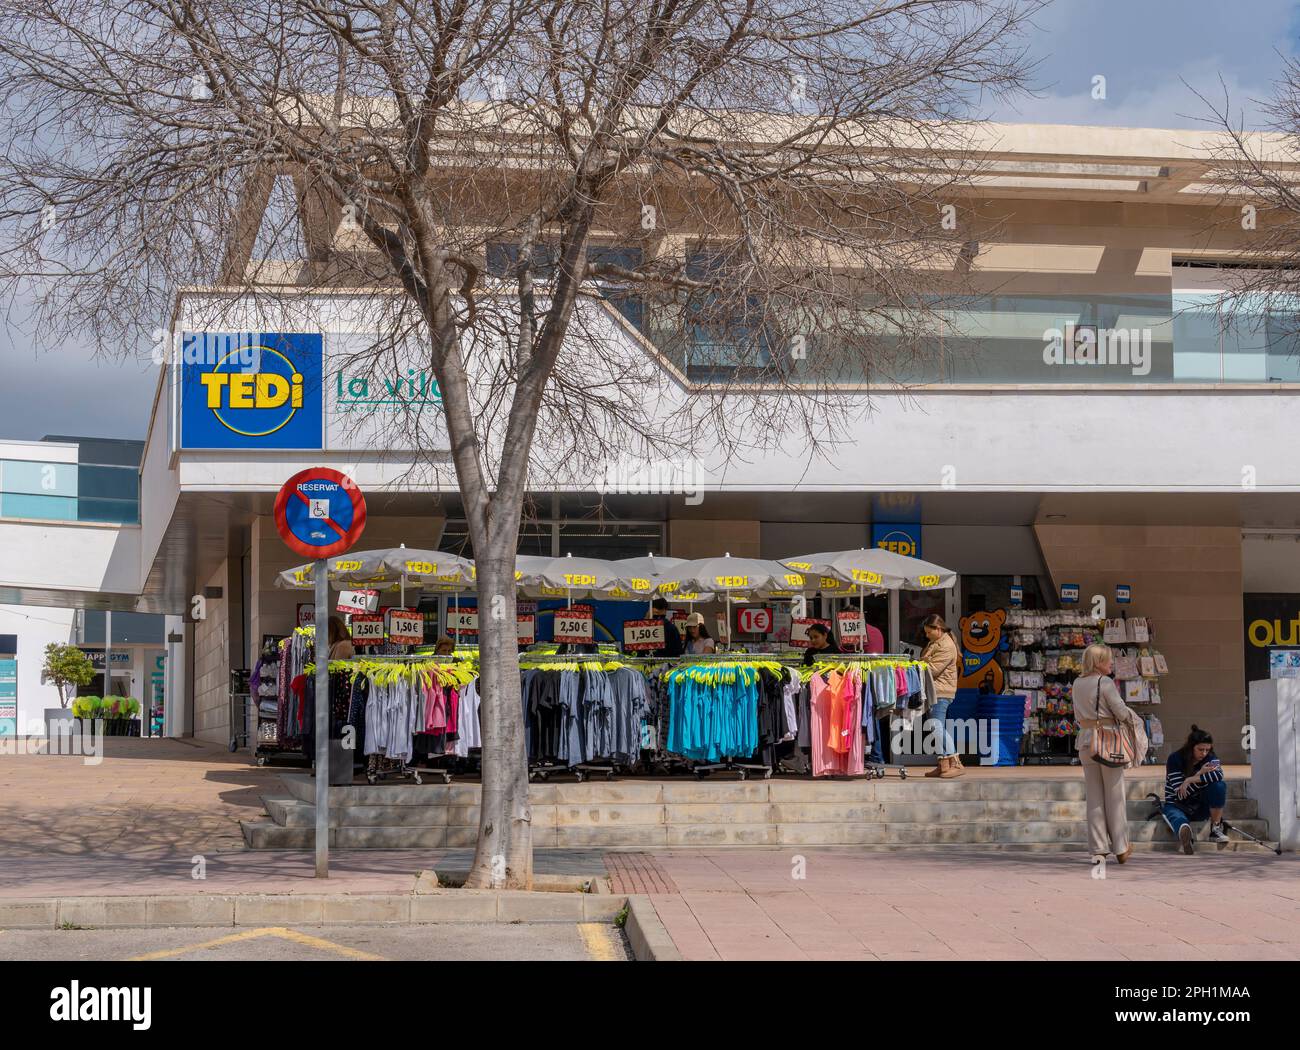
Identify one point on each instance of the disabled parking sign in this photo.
(320, 512)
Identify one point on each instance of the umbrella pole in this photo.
(862, 613)
(403, 598)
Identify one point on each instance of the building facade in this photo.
(1085, 418)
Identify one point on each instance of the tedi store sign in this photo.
(251, 390)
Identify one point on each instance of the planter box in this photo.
(59, 728)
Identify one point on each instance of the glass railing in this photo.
(1023, 339)
(36, 490)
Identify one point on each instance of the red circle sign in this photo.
(320, 512)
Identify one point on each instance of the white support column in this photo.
(1275, 762)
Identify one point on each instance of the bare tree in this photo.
(605, 221)
(1254, 178)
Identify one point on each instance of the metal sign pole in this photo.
(322, 721)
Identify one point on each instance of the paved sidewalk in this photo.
(851, 905)
(175, 795)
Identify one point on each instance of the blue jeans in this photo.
(1212, 796)
(939, 714)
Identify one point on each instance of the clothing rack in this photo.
(380, 767)
(871, 770)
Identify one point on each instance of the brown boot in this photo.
(951, 768)
(937, 771)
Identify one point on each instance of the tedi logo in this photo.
(75, 1003)
(251, 390)
(1086, 344)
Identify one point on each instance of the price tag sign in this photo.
(462, 621)
(306, 615)
(799, 630)
(1069, 593)
(405, 626)
(643, 634)
(851, 627)
(525, 628)
(573, 625)
(1123, 593)
(755, 619)
(1017, 594)
(367, 629)
(358, 601)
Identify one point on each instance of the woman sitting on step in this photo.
(1195, 790)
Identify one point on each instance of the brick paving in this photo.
(820, 904)
(637, 873)
(145, 795)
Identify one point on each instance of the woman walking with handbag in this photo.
(944, 658)
(1107, 745)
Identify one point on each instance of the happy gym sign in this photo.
(251, 390)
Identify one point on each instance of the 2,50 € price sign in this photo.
(643, 634)
(573, 625)
(367, 629)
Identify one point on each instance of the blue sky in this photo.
(1145, 49)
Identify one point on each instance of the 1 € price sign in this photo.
(405, 626)
(643, 634)
(573, 625)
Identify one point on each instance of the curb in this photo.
(646, 934)
(447, 906)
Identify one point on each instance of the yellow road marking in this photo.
(598, 940)
(265, 931)
(327, 946)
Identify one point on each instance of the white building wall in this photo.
(36, 627)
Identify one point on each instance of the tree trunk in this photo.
(504, 858)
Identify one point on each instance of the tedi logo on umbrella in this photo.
(251, 390)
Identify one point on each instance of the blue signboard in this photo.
(902, 539)
(8, 697)
(1069, 593)
(251, 390)
(1123, 593)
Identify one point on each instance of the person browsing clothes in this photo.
(697, 635)
(820, 643)
(1195, 790)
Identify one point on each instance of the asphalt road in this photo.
(460, 942)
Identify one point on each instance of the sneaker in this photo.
(1188, 840)
(1217, 834)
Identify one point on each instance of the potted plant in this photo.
(86, 711)
(65, 665)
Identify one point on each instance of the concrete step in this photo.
(915, 788)
(291, 812)
(902, 834)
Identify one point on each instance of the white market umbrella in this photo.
(873, 569)
(437, 572)
(734, 578)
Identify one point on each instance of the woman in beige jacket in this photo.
(944, 659)
(1097, 701)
